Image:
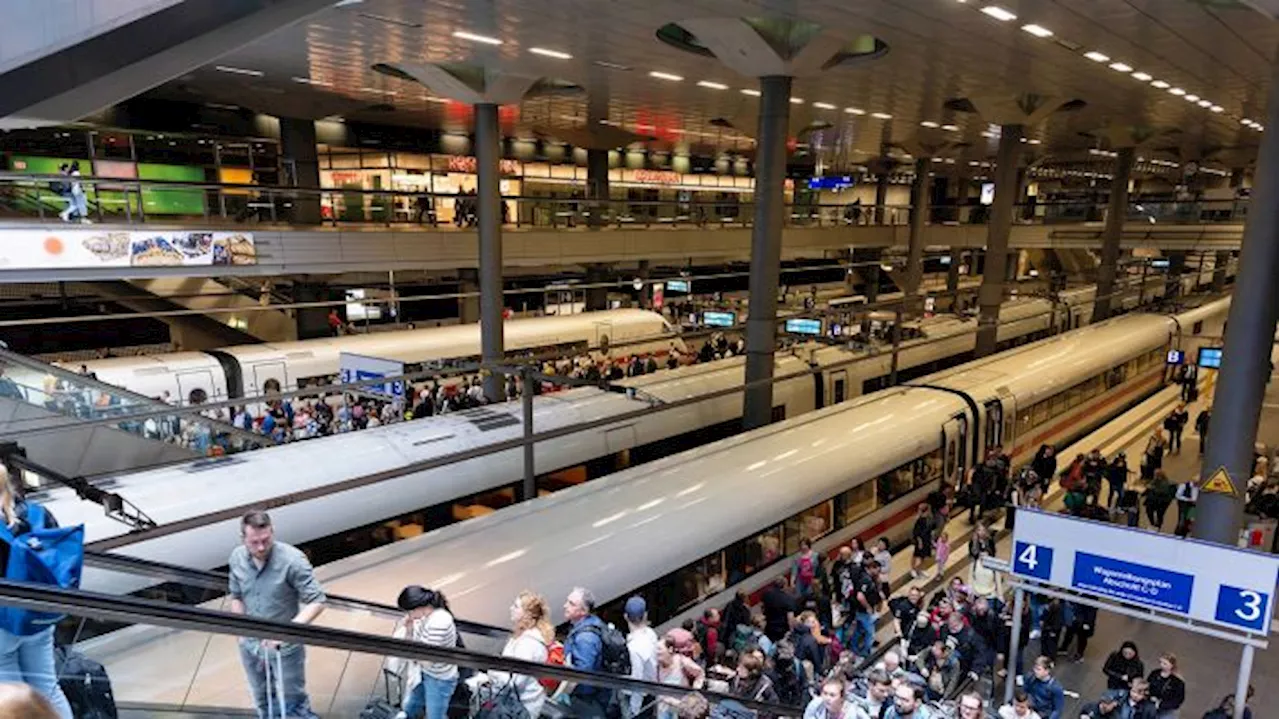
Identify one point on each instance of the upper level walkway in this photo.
(259, 230)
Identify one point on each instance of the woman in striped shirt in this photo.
(428, 620)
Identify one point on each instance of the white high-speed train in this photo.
(689, 530)
(432, 498)
(242, 370)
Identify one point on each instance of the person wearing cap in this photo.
(642, 644)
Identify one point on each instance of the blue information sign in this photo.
(1207, 582)
(1137, 583)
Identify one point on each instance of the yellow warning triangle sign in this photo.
(1219, 482)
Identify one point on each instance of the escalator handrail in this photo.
(133, 610)
(218, 581)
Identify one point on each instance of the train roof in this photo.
(687, 503)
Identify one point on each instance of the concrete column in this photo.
(991, 293)
(1246, 355)
(489, 218)
(953, 272)
(915, 237)
(298, 144)
(597, 298)
(1117, 210)
(882, 195)
(312, 322)
(766, 247)
(469, 305)
(597, 186)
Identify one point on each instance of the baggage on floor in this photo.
(86, 685)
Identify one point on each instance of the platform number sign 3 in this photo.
(1243, 608)
(1032, 560)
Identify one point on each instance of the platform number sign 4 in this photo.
(1032, 560)
(1244, 608)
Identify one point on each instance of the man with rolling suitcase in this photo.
(273, 580)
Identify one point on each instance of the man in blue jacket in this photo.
(583, 650)
(1045, 691)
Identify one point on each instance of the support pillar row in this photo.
(1117, 210)
(766, 248)
(915, 237)
(991, 293)
(489, 219)
(1246, 354)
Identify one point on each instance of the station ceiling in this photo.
(1198, 67)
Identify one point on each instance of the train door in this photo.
(269, 371)
(955, 440)
(197, 387)
(839, 386)
(998, 420)
(604, 330)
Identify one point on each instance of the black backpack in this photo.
(615, 658)
(86, 686)
(60, 187)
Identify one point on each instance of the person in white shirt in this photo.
(642, 644)
(531, 637)
(1019, 708)
(1187, 494)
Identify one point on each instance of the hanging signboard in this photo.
(57, 248)
(355, 368)
(1207, 582)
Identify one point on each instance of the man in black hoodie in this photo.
(1122, 666)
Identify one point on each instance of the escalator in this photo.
(168, 659)
(80, 427)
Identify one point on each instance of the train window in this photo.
(1197, 328)
(1075, 396)
(811, 524)
(1113, 377)
(1040, 413)
(857, 502)
(761, 550)
(1057, 404)
(1025, 420)
(1093, 387)
(896, 483)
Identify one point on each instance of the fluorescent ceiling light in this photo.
(881, 115)
(712, 85)
(1216, 108)
(1177, 91)
(610, 65)
(224, 106)
(1120, 67)
(1246, 121)
(824, 106)
(797, 101)
(665, 76)
(1204, 103)
(1096, 56)
(1141, 76)
(998, 13)
(1037, 30)
(855, 111)
(928, 123)
(1159, 84)
(238, 70)
(749, 91)
(950, 128)
(1033, 142)
(550, 53)
(309, 81)
(464, 35)
(443, 100)
(1191, 98)
(379, 91)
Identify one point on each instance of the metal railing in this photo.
(346, 665)
(143, 202)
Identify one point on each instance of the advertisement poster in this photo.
(85, 249)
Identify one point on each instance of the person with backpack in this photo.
(26, 637)
(737, 613)
(921, 539)
(1047, 698)
(867, 602)
(1157, 498)
(804, 569)
(707, 632)
(675, 669)
(592, 646)
(788, 675)
(62, 188)
(750, 681)
(1202, 427)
